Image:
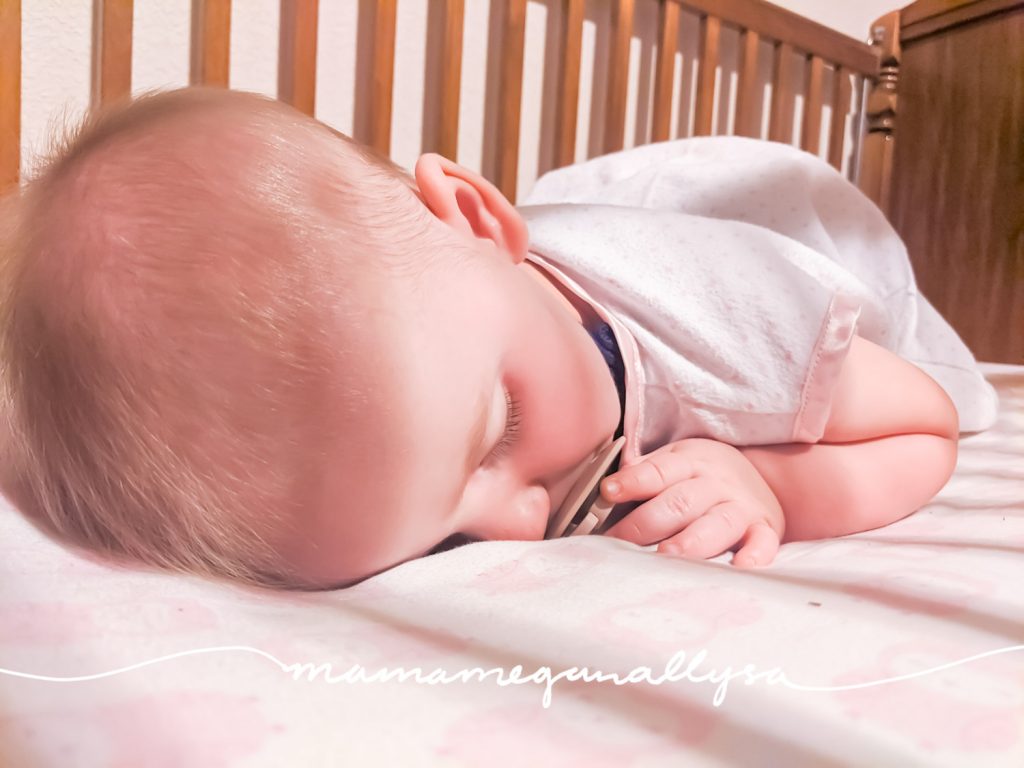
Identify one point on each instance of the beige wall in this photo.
(851, 17)
(56, 67)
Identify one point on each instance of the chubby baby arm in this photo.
(830, 490)
(704, 497)
(890, 444)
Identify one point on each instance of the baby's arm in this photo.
(889, 446)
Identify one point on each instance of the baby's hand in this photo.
(707, 498)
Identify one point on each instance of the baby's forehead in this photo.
(181, 135)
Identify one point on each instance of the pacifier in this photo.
(584, 509)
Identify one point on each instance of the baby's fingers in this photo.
(647, 478)
(760, 546)
(669, 512)
(710, 534)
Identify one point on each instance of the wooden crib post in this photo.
(876, 158)
(780, 123)
(10, 93)
(382, 98)
(567, 109)
(747, 94)
(708, 54)
(664, 73)
(510, 98)
(210, 52)
(618, 75)
(451, 78)
(841, 93)
(810, 127)
(111, 60)
(296, 55)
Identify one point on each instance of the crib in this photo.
(903, 645)
(850, 65)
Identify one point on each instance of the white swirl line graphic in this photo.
(543, 675)
(148, 663)
(908, 676)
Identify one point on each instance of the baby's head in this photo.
(235, 343)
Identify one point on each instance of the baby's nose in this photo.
(525, 519)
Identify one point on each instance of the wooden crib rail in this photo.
(758, 23)
(789, 33)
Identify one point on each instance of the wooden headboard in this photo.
(946, 122)
(828, 71)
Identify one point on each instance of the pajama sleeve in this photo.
(741, 331)
(834, 232)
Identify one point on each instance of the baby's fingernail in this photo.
(612, 487)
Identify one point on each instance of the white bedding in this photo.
(936, 588)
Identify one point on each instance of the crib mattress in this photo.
(899, 646)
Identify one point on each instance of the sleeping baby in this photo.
(237, 343)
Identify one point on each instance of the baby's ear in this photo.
(470, 204)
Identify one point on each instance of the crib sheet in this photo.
(781, 666)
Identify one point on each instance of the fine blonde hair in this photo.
(170, 276)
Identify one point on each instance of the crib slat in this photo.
(841, 92)
(783, 26)
(451, 78)
(569, 82)
(296, 55)
(853, 171)
(210, 59)
(10, 93)
(704, 111)
(664, 75)
(382, 93)
(510, 97)
(746, 86)
(780, 127)
(111, 50)
(618, 75)
(810, 131)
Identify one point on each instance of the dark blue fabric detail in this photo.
(605, 339)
